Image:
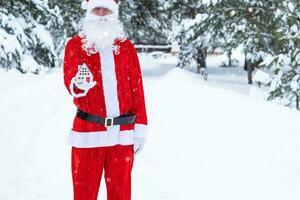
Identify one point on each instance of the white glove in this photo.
(82, 80)
(83, 85)
(139, 143)
(139, 138)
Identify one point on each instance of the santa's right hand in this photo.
(83, 85)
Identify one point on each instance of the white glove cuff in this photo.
(73, 92)
(140, 130)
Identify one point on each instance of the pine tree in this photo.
(267, 31)
(25, 38)
(146, 22)
(185, 55)
(284, 61)
(228, 24)
(191, 48)
(68, 24)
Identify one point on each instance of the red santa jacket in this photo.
(118, 90)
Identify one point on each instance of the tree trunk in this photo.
(245, 63)
(229, 53)
(201, 60)
(250, 69)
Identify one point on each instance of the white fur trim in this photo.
(109, 82)
(84, 4)
(109, 4)
(100, 138)
(140, 130)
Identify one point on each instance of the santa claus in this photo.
(102, 73)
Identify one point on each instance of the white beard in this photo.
(102, 31)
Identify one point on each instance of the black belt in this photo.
(108, 121)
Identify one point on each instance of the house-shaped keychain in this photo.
(84, 75)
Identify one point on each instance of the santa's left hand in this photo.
(139, 143)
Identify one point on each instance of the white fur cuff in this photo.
(140, 130)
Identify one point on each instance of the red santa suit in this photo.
(118, 90)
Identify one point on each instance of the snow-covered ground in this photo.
(207, 140)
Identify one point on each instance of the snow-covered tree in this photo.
(267, 31)
(146, 22)
(69, 14)
(185, 55)
(284, 61)
(186, 14)
(228, 24)
(25, 40)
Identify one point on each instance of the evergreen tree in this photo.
(284, 61)
(25, 38)
(267, 31)
(146, 22)
(185, 55)
(191, 48)
(69, 14)
(228, 24)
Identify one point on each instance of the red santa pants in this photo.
(88, 165)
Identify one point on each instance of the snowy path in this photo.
(205, 143)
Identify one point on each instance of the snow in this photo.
(276, 82)
(295, 84)
(207, 140)
(20, 38)
(261, 77)
(291, 7)
(210, 2)
(30, 65)
(44, 36)
(10, 42)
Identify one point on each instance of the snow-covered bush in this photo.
(261, 77)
